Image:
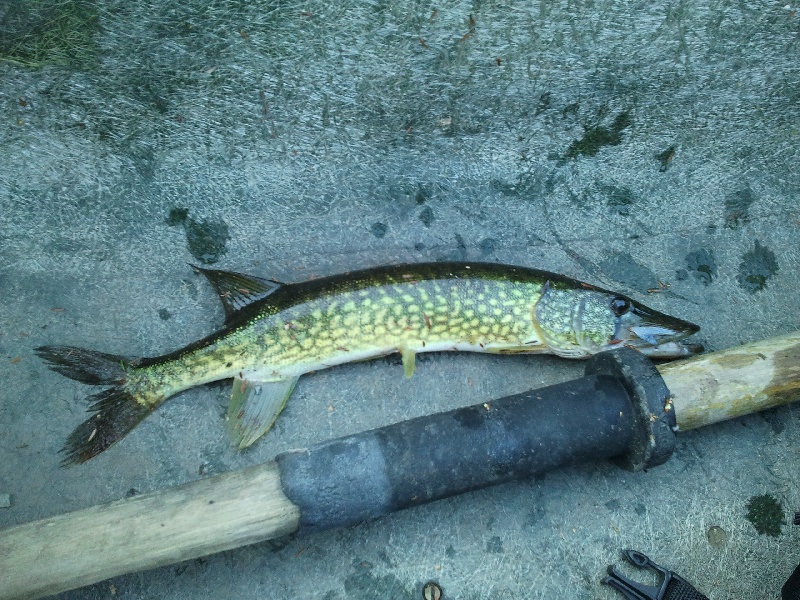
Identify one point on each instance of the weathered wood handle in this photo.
(251, 505)
(710, 388)
(82, 547)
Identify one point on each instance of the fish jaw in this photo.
(657, 335)
(576, 323)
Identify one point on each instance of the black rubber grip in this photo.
(363, 476)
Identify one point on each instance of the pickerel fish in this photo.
(274, 333)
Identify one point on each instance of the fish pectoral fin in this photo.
(254, 407)
(409, 361)
(237, 290)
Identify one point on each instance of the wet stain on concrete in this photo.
(423, 192)
(618, 199)
(487, 246)
(622, 267)
(545, 100)
(365, 584)
(665, 158)
(426, 216)
(757, 267)
(207, 239)
(379, 229)
(701, 265)
(494, 545)
(737, 207)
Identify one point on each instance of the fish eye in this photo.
(620, 305)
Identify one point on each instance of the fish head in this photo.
(579, 322)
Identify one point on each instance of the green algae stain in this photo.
(757, 267)
(594, 138)
(37, 33)
(766, 514)
(207, 239)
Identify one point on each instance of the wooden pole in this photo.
(152, 530)
(249, 505)
(710, 388)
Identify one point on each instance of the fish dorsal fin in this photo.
(237, 290)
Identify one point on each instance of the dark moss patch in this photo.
(757, 267)
(737, 207)
(701, 265)
(665, 158)
(207, 239)
(379, 229)
(766, 514)
(594, 138)
(47, 32)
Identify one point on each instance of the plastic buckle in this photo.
(672, 585)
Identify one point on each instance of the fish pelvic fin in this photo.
(116, 410)
(255, 406)
(409, 361)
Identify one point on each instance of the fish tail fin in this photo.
(116, 410)
(86, 366)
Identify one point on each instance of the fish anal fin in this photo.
(237, 290)
(409, 360)
(254, 407)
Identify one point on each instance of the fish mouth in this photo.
(660, 336)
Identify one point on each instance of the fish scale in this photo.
(274, 333)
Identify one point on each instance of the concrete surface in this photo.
(623, 143)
